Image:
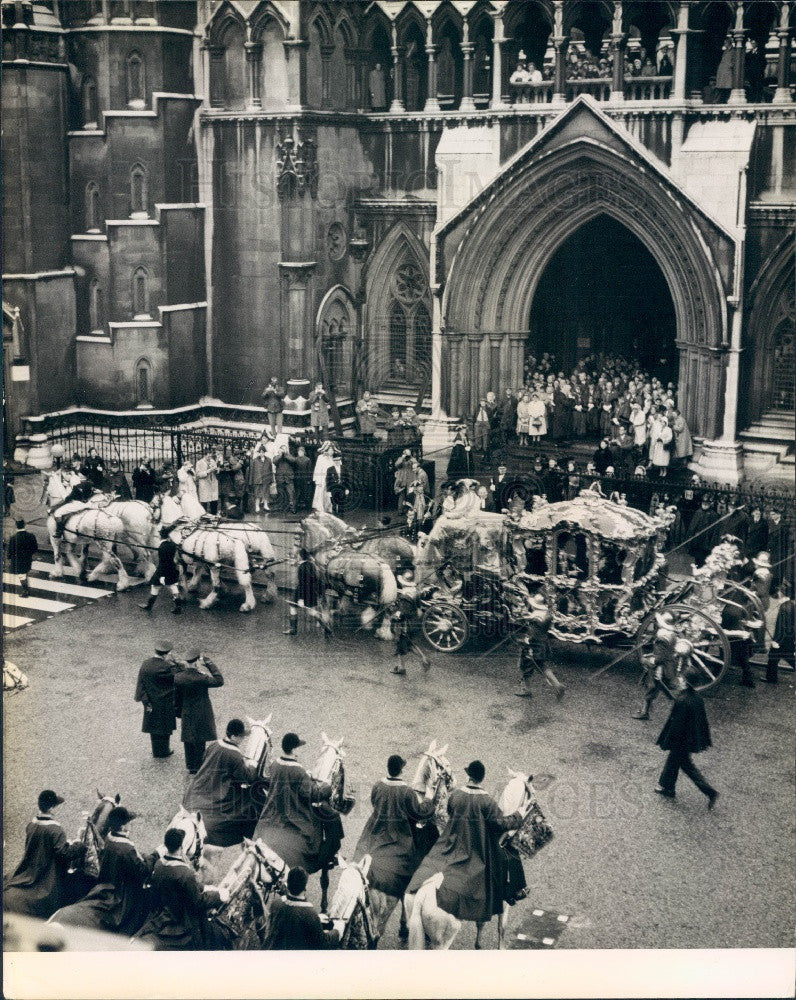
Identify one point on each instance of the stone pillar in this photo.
(495, 344)
(296, 52)
(351, 96)
(432, 104)
(455, 394)
(561, 44)
(397, 106)
(516, 347)
(782, 94)
(738, 34)
(498, 40)
(364, 81)
(618, 43)
(326, 61)
(296, 357)
(467, 102)
(681, 54)
(253, 52)
(731, 380)
(474, 371)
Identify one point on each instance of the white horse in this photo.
(82, 526)
(141, 529)
(194, 846)
(426, 919)
(433, 780)
(254, 876)
(13, 678)
(329, 769)
(351, 904)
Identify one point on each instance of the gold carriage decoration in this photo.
(596, 562)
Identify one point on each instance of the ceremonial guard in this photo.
(660, 666)
(192, 705)
(20, 550)
(216, 790)
(178, 921)
(289, 823)
(686, 732)
(468, 853)
(390, 834)
(535, 648)
(119, 903)
(155, 691)
(167, 574)
(293, 924)
(37, 885)
(405, 645)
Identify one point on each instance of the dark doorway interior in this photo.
(603, 291)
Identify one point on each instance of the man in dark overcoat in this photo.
(783, 644)
(699, 531)
(20, 550)
(119, 902)
(217, 791)
(36, 887)
(288, 823)
(192, 704)
(686, 732)
(468, 852)
(155, 691)
(389, 836)
(293, 924)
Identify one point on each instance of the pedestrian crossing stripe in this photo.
(46, 597)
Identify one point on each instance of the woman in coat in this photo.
(523, 419)
(462, 460)
(319, 410)
(207, 482)
(537, 418)
(660, 442)
(683, 446)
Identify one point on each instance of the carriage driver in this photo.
(215, 790)
(660, 666)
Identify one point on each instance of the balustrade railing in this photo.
(648, 88)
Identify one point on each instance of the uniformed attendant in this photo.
(155, 690)
(293, 924)
(308, 595)
(178, 921)
(20, 550)
(167, 574)
(535, 649)
(119, 903)
(686, 731)
(37, 885)
(660, 667)
(389, 836)
(192, 704)
(405, 645)
(217, 791)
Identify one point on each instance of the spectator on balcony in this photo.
(534, 75)
(648, 68)
(665, 67)
(319, 410)
(724, 73)
(520, 75)
(378, 88)
(274, 402)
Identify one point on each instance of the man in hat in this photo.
(284, 472)
(288, 823)
(20, 550)
(468, 852)
(782, 645)
(192, 683)
(178, 920)
(294, 925)
(118, 903)
(780, 548)
(274, 401)
(757, 532)
(36, 888)
(155, 691)
(739, 624)
(117, 482)
(660, 666)
(391, 834)
(686, 732)
(217, 790)
(700, 533)
(167, 574)
(535, 648)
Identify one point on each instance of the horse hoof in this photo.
(245, 608)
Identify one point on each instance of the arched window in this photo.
(143, 381)
(140, 293)
(138, 192)
(136, 80)
(398, 341)
(96, 307)
(422, 338)
(93, 213)
(89, 102)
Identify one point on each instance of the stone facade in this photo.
(358, 192)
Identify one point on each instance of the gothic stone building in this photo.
(199, 195)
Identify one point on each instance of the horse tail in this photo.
(417, 934)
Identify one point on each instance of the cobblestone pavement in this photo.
(632, 870)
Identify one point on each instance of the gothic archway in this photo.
(335, 331)
(492, 256)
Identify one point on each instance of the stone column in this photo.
(475, 370)
(495, 343)
(517, 344)
(738, 33)
(296, 52)
(296, 355)
(351, 99)
(467, 102)
(326, 61)
(618, 43)
(253, 51)
(432, 104)
(681, 54)
(397, 106)
(782, 94)
(364, 81)
(497, 61)
(561, 44)
(455, 393)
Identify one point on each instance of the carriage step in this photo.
(45, 597)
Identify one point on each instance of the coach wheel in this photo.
(445, 627)
(701, 643)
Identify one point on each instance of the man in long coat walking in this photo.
(20, 550)
(468, 853)
(192, 705)
(155, 691)
(686, 732)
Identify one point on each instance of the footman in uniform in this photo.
(155, 690)
(167, 574)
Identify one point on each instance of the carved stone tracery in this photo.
(296, 164)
